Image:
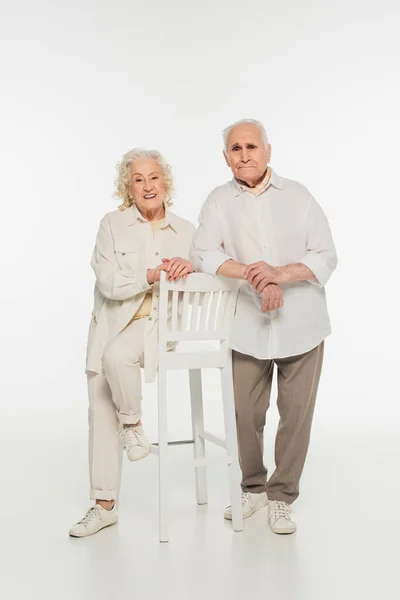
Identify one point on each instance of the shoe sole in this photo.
(138, 457)
(94, 532)
(283, 531)
(255, 509)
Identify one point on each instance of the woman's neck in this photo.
(153, 215)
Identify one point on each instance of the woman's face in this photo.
(146, 184)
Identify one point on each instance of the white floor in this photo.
(346, 547)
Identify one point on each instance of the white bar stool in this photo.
(192, 312)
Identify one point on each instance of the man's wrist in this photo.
(241, 271)
(294, 272)
(283, 275)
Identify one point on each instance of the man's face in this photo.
(246, 153)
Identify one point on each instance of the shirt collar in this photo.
(133, 214)
(274, 180)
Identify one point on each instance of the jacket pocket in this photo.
(127, 259)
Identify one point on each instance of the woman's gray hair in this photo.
(227, 130)
(122, 179)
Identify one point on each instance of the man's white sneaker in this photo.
(136, 444)
(95, 519)
(250, 504)
(279, 517)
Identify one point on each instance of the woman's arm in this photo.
(115, 283)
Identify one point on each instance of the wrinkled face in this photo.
(246, 153)
(146, 184)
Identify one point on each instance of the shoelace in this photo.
(281, 510)
(245, 497)
(91, 513)
(130, 435)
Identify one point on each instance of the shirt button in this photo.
(155, 308)
(157, 253)
(123, 253)
(150, 318)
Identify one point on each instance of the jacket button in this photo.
(150, 318)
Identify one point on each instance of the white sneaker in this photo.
(279, 520)
(136, 444)
(250, 504)
(95, 519)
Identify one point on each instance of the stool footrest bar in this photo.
(214, 439)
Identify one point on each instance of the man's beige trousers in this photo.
(298, 378)
(114, 400)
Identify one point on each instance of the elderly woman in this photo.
(134, 244)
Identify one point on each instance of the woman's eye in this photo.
(138, 180)
(155, 177)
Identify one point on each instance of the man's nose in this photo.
(245, 156)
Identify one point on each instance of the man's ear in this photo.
(268, 153)
(226, 158)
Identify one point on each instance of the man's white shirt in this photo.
(282, 225)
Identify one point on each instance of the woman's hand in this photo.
(153, 275)
(177, 268)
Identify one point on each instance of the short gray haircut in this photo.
(258, 124)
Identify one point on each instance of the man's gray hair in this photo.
(227, 130)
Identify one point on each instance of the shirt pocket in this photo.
(127, 257)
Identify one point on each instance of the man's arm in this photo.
(232, 269)
(321, 256)
(208, 256)
(295, 272)
(261, 274)
(316, 266)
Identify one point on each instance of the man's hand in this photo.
(261, 274)
(272, 297)
(177, 267)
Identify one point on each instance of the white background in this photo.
(84, 81)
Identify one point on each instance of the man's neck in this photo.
(253, 184)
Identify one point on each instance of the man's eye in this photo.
(235, 148)
(251, 147)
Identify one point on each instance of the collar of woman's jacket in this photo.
(133, 214)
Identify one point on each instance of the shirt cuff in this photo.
(212, 261)
(318, 266)
(141, 280)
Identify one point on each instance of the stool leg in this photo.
(163, 455)
(120, 461)
(232, 445)
(196, 401)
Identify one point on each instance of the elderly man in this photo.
(272, 234)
